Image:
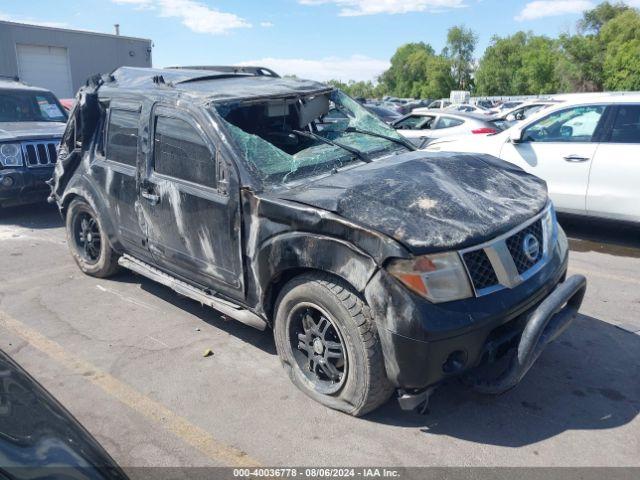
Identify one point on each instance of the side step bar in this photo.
(223, 306)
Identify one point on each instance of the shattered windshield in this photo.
(293, 138)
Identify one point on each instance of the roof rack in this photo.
(247, 70)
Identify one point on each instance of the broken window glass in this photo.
(275, 136)
(122, 143)
(180, 152)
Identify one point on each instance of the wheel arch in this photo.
(287, 256)
(78, 192)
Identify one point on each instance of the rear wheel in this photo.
(88, 242)
(327, 341)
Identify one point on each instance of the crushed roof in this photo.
(211, 85)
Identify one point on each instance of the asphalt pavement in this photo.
(125, 356)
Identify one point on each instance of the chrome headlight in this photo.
(439, 278)
(550, 221)
(563, 243)
(11, 155)
(554, 233)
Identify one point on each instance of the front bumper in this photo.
(424, 343)
(24, 185)
(543, 325)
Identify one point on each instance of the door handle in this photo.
(576, 158)
(152, 198)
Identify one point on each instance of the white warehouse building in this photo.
(61, 60)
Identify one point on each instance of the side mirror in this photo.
(511, 117)
(515, 136)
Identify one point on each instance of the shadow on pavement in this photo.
(603, 236)
(262, 340)
(38, 216)
(589, 379)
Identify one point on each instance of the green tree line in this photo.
(603, 54)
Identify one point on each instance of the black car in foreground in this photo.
(32, 121)
(379, 267)
(39, 438)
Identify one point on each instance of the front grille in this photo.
(486, 276)
(480, 269)
(516, 247)
(40, 153)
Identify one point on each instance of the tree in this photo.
(417, 72)
(439, 81)
(621, 37)
(521, 64)
(496, 73)
(405, 68)
(359, 89)
(580, 64)
(461, 44)
(593, 20)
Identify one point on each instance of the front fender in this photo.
(304, 250)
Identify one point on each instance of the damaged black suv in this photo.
(380, 268)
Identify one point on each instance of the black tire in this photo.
(361, 383)
(90, 247)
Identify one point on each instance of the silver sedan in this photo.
(423, 125)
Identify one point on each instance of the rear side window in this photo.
(181, 152)
(626, 127)
(414, 122)
(122, 136)
(448, 122)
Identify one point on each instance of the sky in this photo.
(318, 39)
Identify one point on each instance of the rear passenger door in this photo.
(614, 181)
(192, 217)
(120, 166)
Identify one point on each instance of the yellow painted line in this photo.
(154, 411)
(607, 276)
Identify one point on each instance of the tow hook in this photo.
(415, 399)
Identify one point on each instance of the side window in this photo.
(448, 122)
(180, 152)
(626, 127)
(122, 136)
(410, 123)
(576, 124)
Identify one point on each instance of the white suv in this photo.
(587, 150)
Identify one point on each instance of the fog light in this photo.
(7, 182)
(455, 362)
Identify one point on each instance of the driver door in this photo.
(559, 148)
(191, 208)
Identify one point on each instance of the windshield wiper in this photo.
(399, 141)
(315, 136)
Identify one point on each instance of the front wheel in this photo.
(328, 342)
(88, 241)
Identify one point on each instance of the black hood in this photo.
(430, 201)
